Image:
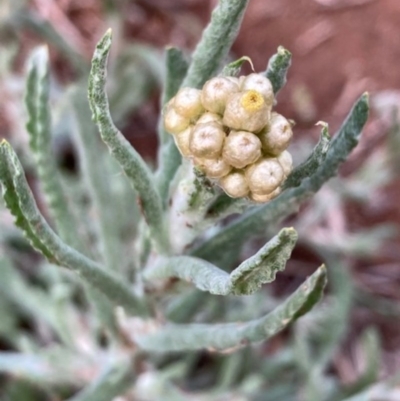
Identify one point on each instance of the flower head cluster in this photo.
(229, 131)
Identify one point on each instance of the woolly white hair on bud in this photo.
(187, 103)
(235, 185)
(215, 93)
(264, 176)
(286, 161)
(264, 198)
(241, 148)
(261, 84)
(182, 140)
(173, 121)
(207, 140)
(209, 117)
(276, 136)
(246, 111)
(213, 168)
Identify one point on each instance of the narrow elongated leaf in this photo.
(45, 369)
(130, 161)
(169, 157)
(256, 220)
(94, 170)
(20, 202)
(39, 128)
(278, 67)
(35, 301)
(247, 278)
(317, 157)
(176, 68)
(216, 41)
(115, 380)
(233, 69)
(180, 337)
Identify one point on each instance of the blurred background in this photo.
(340, 49)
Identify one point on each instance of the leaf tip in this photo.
(284, 52)
(290, 231)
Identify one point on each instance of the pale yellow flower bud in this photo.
(209, 117)
(286, 161)
(187, 103)
(235, 80)
(264, 198)
(215, 93)
(264, 176)
(213, 168)
(182, 140)
(235, 185)
(261, 84)
(246, 111)
(207, 140)
(241, 148)
(173, 121)
(276, 136)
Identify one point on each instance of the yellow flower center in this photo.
(252, 101)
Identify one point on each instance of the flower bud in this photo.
(209, 117)
(173, 121)
(215, 93)
(213, 168)
(286, 161)
(264, 198)
(187, 103)
(207, 140)
(182, 140)
(246, 111)
(235, 185)
(264, 176)
(261, 84)
(276, 136)
(241, 148)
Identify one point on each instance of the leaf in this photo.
(246, 279)
(19, 200)
(94, 170)
(63, 367)
(278, 67)
(115, 380)
(39, 128)
(256, 220)
(216, 42)
(228, 336)
(316, 158)
(233, 69)
(130, 161)
(169, 157)
(35, 302)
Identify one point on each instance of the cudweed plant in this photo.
(223, 151)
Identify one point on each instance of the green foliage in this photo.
(159, 275)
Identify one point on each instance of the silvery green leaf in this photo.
(130, 161)
(169, 157)
(228, 336)
(233, 69)
(216, 42)
(247, 278)
(39, 128)
(278, 67)
(316, 158)
(113, 381)
(19, 200)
